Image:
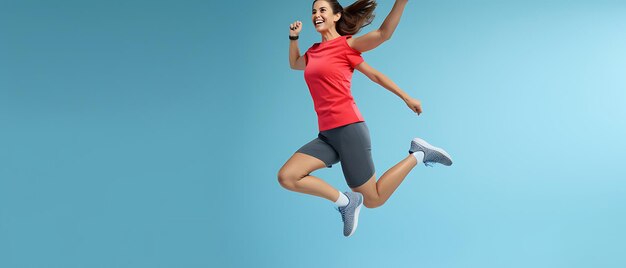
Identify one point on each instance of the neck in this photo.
(329, 35)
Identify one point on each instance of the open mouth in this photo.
(318, 22)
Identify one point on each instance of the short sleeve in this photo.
(354, 56)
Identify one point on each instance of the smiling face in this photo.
(323, 17)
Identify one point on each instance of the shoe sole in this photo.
(356, 218)
(427, 145)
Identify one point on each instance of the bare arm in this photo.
(381, 79)
(296, 61)
(374, 38)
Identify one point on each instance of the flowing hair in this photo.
(354, 17)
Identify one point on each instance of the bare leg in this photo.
(375, 193)
(294, 176)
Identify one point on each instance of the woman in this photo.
(328, 67)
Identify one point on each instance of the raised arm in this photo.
(296, 61)
(374, 38)
(376, 76)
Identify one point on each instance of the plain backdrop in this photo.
(149, 134)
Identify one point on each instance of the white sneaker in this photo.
(432, 154)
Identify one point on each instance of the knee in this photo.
(373, 203)
(287, 179)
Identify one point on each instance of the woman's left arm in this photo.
(374, 38)
(414, 104)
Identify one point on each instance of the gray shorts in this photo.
(349, 144)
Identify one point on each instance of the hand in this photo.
(295, 28)
(414, 104)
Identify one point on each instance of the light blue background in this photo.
(149, 134)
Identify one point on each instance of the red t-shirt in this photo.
(328, 73)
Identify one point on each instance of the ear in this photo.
(337, 17)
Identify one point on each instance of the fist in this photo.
(295, 28)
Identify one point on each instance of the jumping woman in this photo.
(343, 135)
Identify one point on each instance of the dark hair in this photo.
(354, 17)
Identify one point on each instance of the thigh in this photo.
(312, 156)
(354, 147)
(299, 165)
(321, 150)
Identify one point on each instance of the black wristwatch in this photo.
(293, 37)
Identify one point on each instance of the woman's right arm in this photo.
(296, 61)
(375, 38)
